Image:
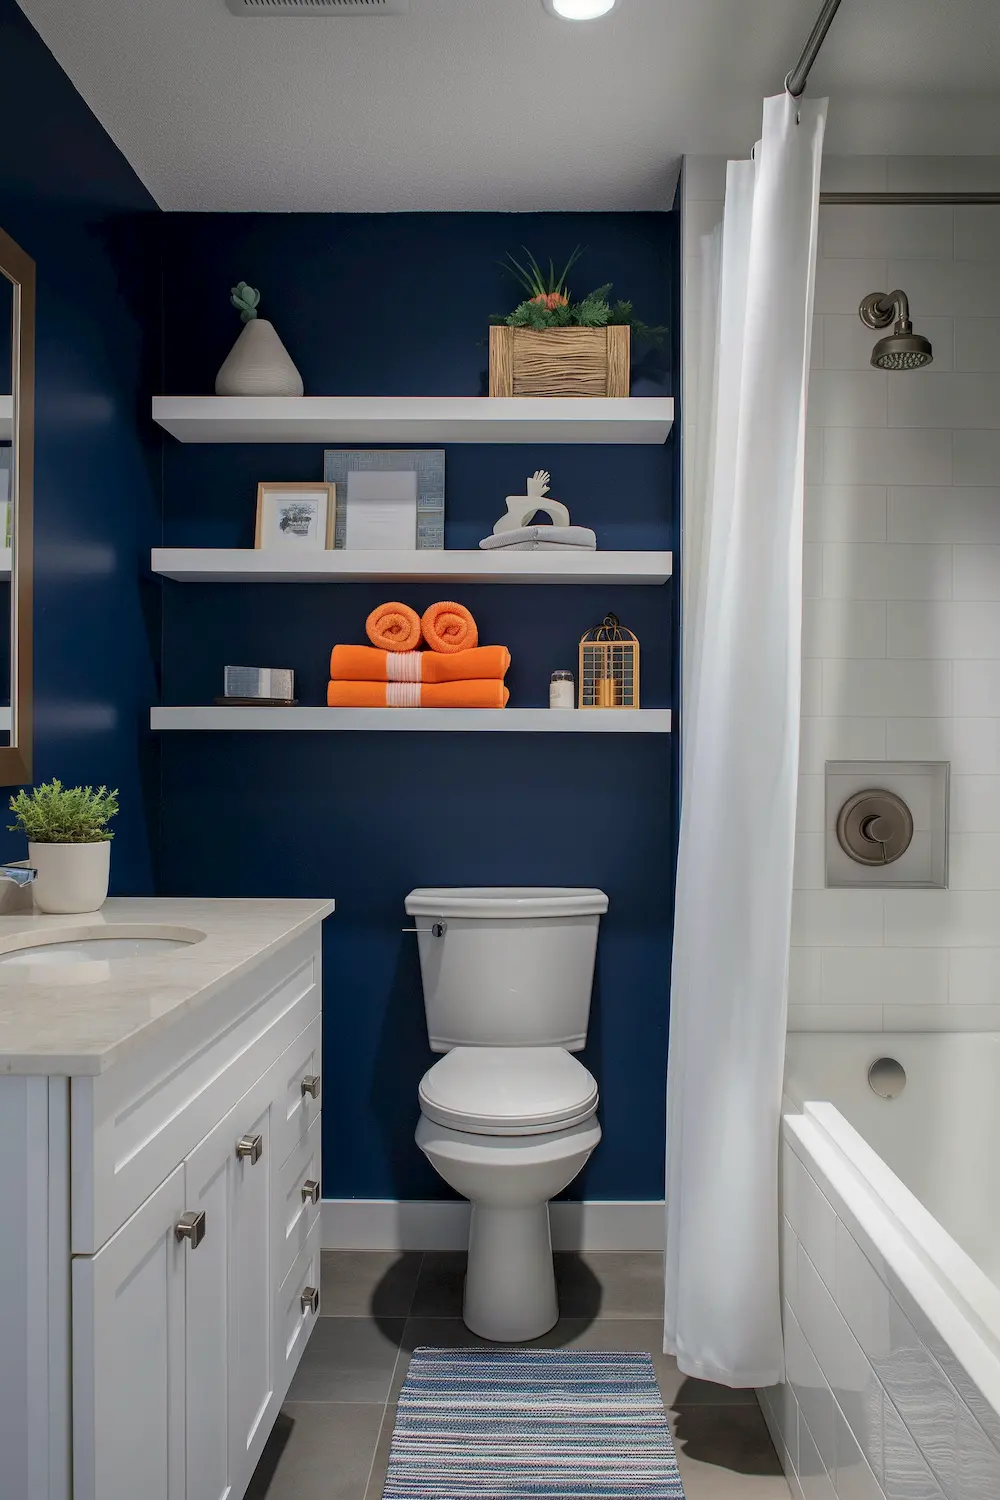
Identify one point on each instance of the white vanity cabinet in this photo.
(176, 1254)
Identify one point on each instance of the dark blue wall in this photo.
(399, 305)
(70, 199)
(382, 305)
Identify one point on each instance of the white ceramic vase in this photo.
(258, 365)
(71, 877)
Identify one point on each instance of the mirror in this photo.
(17, 438)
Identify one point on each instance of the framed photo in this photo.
(295, 515)
(428, 465)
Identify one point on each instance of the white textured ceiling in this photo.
(493, 104)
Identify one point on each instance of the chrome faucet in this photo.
(20, 873)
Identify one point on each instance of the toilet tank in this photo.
(507, 966)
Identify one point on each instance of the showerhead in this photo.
(902, 349)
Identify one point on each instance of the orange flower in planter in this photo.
(551, 300)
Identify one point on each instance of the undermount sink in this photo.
(109, 943)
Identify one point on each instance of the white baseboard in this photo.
(411, 1224)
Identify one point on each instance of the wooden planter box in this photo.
(560, 361)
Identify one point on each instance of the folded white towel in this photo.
(530, 538)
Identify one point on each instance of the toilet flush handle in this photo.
(436, 929)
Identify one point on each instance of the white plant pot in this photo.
(71, 877)
(258, 365)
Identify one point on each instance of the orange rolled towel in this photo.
(365, 664)
(491, 694)
(449, 627)
(393, 627)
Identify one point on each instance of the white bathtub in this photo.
(890, 1265)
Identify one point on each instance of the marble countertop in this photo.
(81, 1018)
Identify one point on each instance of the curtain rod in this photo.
(797, 79)
(954, 199)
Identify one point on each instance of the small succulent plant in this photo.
(246, 300)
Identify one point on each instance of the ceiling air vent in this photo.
(318, 7)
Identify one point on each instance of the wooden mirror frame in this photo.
(19, 270)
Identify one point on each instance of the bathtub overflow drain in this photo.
(887, 1078)
(874, 827)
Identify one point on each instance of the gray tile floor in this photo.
(331, 1441)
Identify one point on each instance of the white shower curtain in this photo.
(740, 766)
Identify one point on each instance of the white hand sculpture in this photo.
(521, 508)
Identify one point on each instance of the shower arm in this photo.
(880, 309)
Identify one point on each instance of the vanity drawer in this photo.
(294, 1317)
(300, 1092)
(297, 1214)
(133, 1124)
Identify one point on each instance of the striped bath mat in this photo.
(483, 1423)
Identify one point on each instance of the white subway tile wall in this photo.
(901, 577)
(873, 1408)
(902, 616)
(901, 661)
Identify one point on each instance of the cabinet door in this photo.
(210, 1181)
(299, 1089)
(253, 1401)
(298, 1200)
(230, 1396)
(295, 1310)
(128, 1357)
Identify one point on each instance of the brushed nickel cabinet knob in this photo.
(310, 1190)
(191, 1227)
(311, 1085)
(250, 1148)
(310, 1299)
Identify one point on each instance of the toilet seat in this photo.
(508, 1091)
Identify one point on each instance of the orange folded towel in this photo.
(449, 627)
(365, 664)
(417, 695)
(393, 627)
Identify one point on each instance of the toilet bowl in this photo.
(510, 1286)
(508, 1115)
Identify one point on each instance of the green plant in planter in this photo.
(550, 303)
(57, 814)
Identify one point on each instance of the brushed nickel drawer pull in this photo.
(310, 1299)
(191, 1227)
(310, 1191)
(250, 1147)
(311, 1085)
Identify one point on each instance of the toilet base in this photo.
(510, 1285)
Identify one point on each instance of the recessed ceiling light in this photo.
(578, 10)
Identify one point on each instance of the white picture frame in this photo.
(298, 515)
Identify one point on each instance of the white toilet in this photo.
(508, 1117)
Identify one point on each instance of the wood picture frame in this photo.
(313, 532)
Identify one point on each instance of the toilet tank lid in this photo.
(506, 901)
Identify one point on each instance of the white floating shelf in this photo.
(6, 418)
(574, 565)
(425, 420)
(433, 720)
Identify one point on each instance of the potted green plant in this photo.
(554, 344)
(69, 843)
